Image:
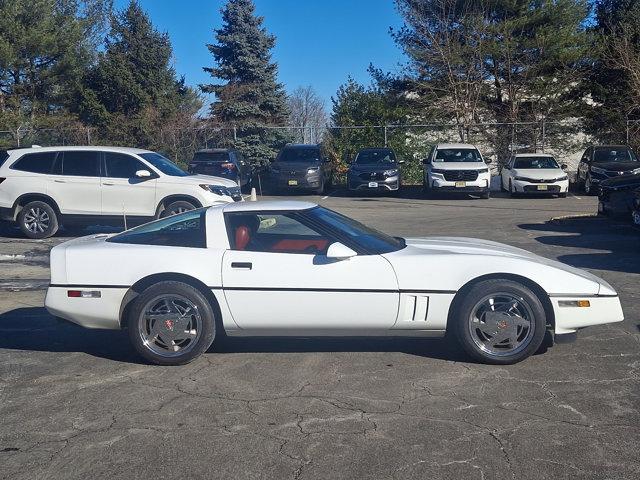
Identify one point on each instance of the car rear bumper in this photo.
(601, 310)
(103, 312)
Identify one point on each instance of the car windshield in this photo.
(375, 157)
(369, 239)
(299, 154)
(457, 155)
(220, 157)
(163, 164)
(535, 162)
(614, 154)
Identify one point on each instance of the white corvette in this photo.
(290, 268)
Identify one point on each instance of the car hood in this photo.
(617, 166)
(201, 180)
(458, 165)
(624, 181)
(539, 173)
(488, 248)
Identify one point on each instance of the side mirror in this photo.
(488, 161)
(426, 161)
(339, 251)
(143, 174)
(564, 166)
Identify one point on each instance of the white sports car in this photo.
(290, 268)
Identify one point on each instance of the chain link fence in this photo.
(565, 140)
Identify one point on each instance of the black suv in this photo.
(374, 169)
(223, 162)
(301, 166)
(601, 162)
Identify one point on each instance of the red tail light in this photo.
(74, 293)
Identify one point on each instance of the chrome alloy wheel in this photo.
(37, 220)
(170, 325)
(178, 210)
(501, 324)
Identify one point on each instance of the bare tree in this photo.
(307, 115)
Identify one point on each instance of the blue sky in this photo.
(319, 42)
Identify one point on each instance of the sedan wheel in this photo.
(500, 322)
(171, 323)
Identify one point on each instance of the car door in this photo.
(75, 184)
(277, 278)
(122, 191)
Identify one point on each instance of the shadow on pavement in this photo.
(619, 242)
(34, 329)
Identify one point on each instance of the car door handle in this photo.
(60, 181)
(245, 265)
(110, 184)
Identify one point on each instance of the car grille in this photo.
(460, 175)
(372, 176)
(534, 188)
(539, 180)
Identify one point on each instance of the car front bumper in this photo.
(388, 184)
(521, 186)
(296, 182)
(480, 185)
(601, 310)
(102, 312)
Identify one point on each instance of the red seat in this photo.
(243, 235)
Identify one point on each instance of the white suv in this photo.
(41, 188)
(456, 167)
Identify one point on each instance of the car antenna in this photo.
(124, 216)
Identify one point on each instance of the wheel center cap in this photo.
(502, 324)
(169, 324)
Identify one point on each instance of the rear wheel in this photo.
(174, 208)
(171, 323)
(500, 322)
(38, 220)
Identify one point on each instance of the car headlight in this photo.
(217, 189)
(521, 179)
(483, 170)
(435, 170)
(560, 179)
(391, 173)
(601, 171)
(636, 171)
(313, 170)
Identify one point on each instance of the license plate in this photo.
(293, 182)
(542, 187)
(373, 184)
(461, 184)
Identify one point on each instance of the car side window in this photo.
(41, 162)
(274, 233)
(79, 164)
(120, 165)
(183, 230)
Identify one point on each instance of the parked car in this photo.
(456, 167)
(43, 188)
(289, 268)
(301, 167)
(375, 169)
(223, 162)
(616, 195)
(601, 162)
(534, 173)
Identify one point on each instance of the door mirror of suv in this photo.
(426, 161)
(488, 161)
(143, 174)
(564, 166)
(339, 251)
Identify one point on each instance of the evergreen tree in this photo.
(614, 82)
(250, 96)
(133, 91)
(45, 45)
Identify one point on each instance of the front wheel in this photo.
(500, 322)
(38, 220)
(174, 208)
(485, 195)
(171, 323)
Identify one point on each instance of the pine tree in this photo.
(133, 91)
(250, 97)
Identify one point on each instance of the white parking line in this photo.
(325, 197)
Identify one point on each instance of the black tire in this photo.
(177, 207)
(485, 195)
(137, 324)
(463, 326)
(562, 195)
(587, 185)
(38, 220)
(321, 188)
(512, 192)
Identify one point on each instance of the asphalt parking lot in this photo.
(79, 404)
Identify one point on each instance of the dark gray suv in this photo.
(374, 169)
(223, 162)
(301, 167)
